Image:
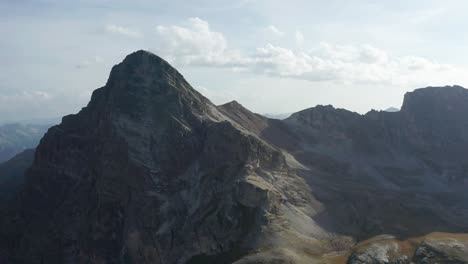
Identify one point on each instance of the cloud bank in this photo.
(196, 44)
(123, 31)
(275, 31)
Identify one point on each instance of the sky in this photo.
(271, 56)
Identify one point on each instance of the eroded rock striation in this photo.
(150, 171)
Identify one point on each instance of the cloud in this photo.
(275, 31)
(350, 64)
(196, 39)
(299, 38)
(214, 6)
(25, 96)
(124, 31)
(283, 62)
(196, 44)
(11, 102)
(88, 62)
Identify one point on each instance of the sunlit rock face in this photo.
(150, 171)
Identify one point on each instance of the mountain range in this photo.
(17, 137)
(151, 171)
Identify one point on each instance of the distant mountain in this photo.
(15, 138)
(392, 109)
(40, 121)
(278, 116)
(12, 173)
(151, 171)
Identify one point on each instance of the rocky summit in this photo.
(151, 171)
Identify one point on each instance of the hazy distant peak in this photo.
(392, 109)
(277, 116)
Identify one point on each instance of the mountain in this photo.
(150, 171)
(35, 121)
(16, 137)
(278, 116)
(392, 109)
(12, 174)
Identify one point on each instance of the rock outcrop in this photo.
(447, 250)
(431, 249)
(150, 171)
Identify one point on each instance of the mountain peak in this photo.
(145, 64)
(145, 87)
(320, 111)
(435, 99)
(140, 55)
(438, 105)
(392, 109)
(144, 80)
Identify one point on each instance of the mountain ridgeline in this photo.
(15, 138)
(151, 171)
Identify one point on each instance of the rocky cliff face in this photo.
(149, 171)
(411, 161)
(153, 172)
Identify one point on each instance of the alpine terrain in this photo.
(151, 171)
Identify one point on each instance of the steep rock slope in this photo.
(412, 162)
(152, 172)
(402, 173)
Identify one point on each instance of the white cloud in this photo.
(88, 62)
(197, 44)
(351, 64)
(214, 6)
(196, 39)
(124, 31)
(275, 31)
(278, 61)
(299, 38)
(24, 98)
